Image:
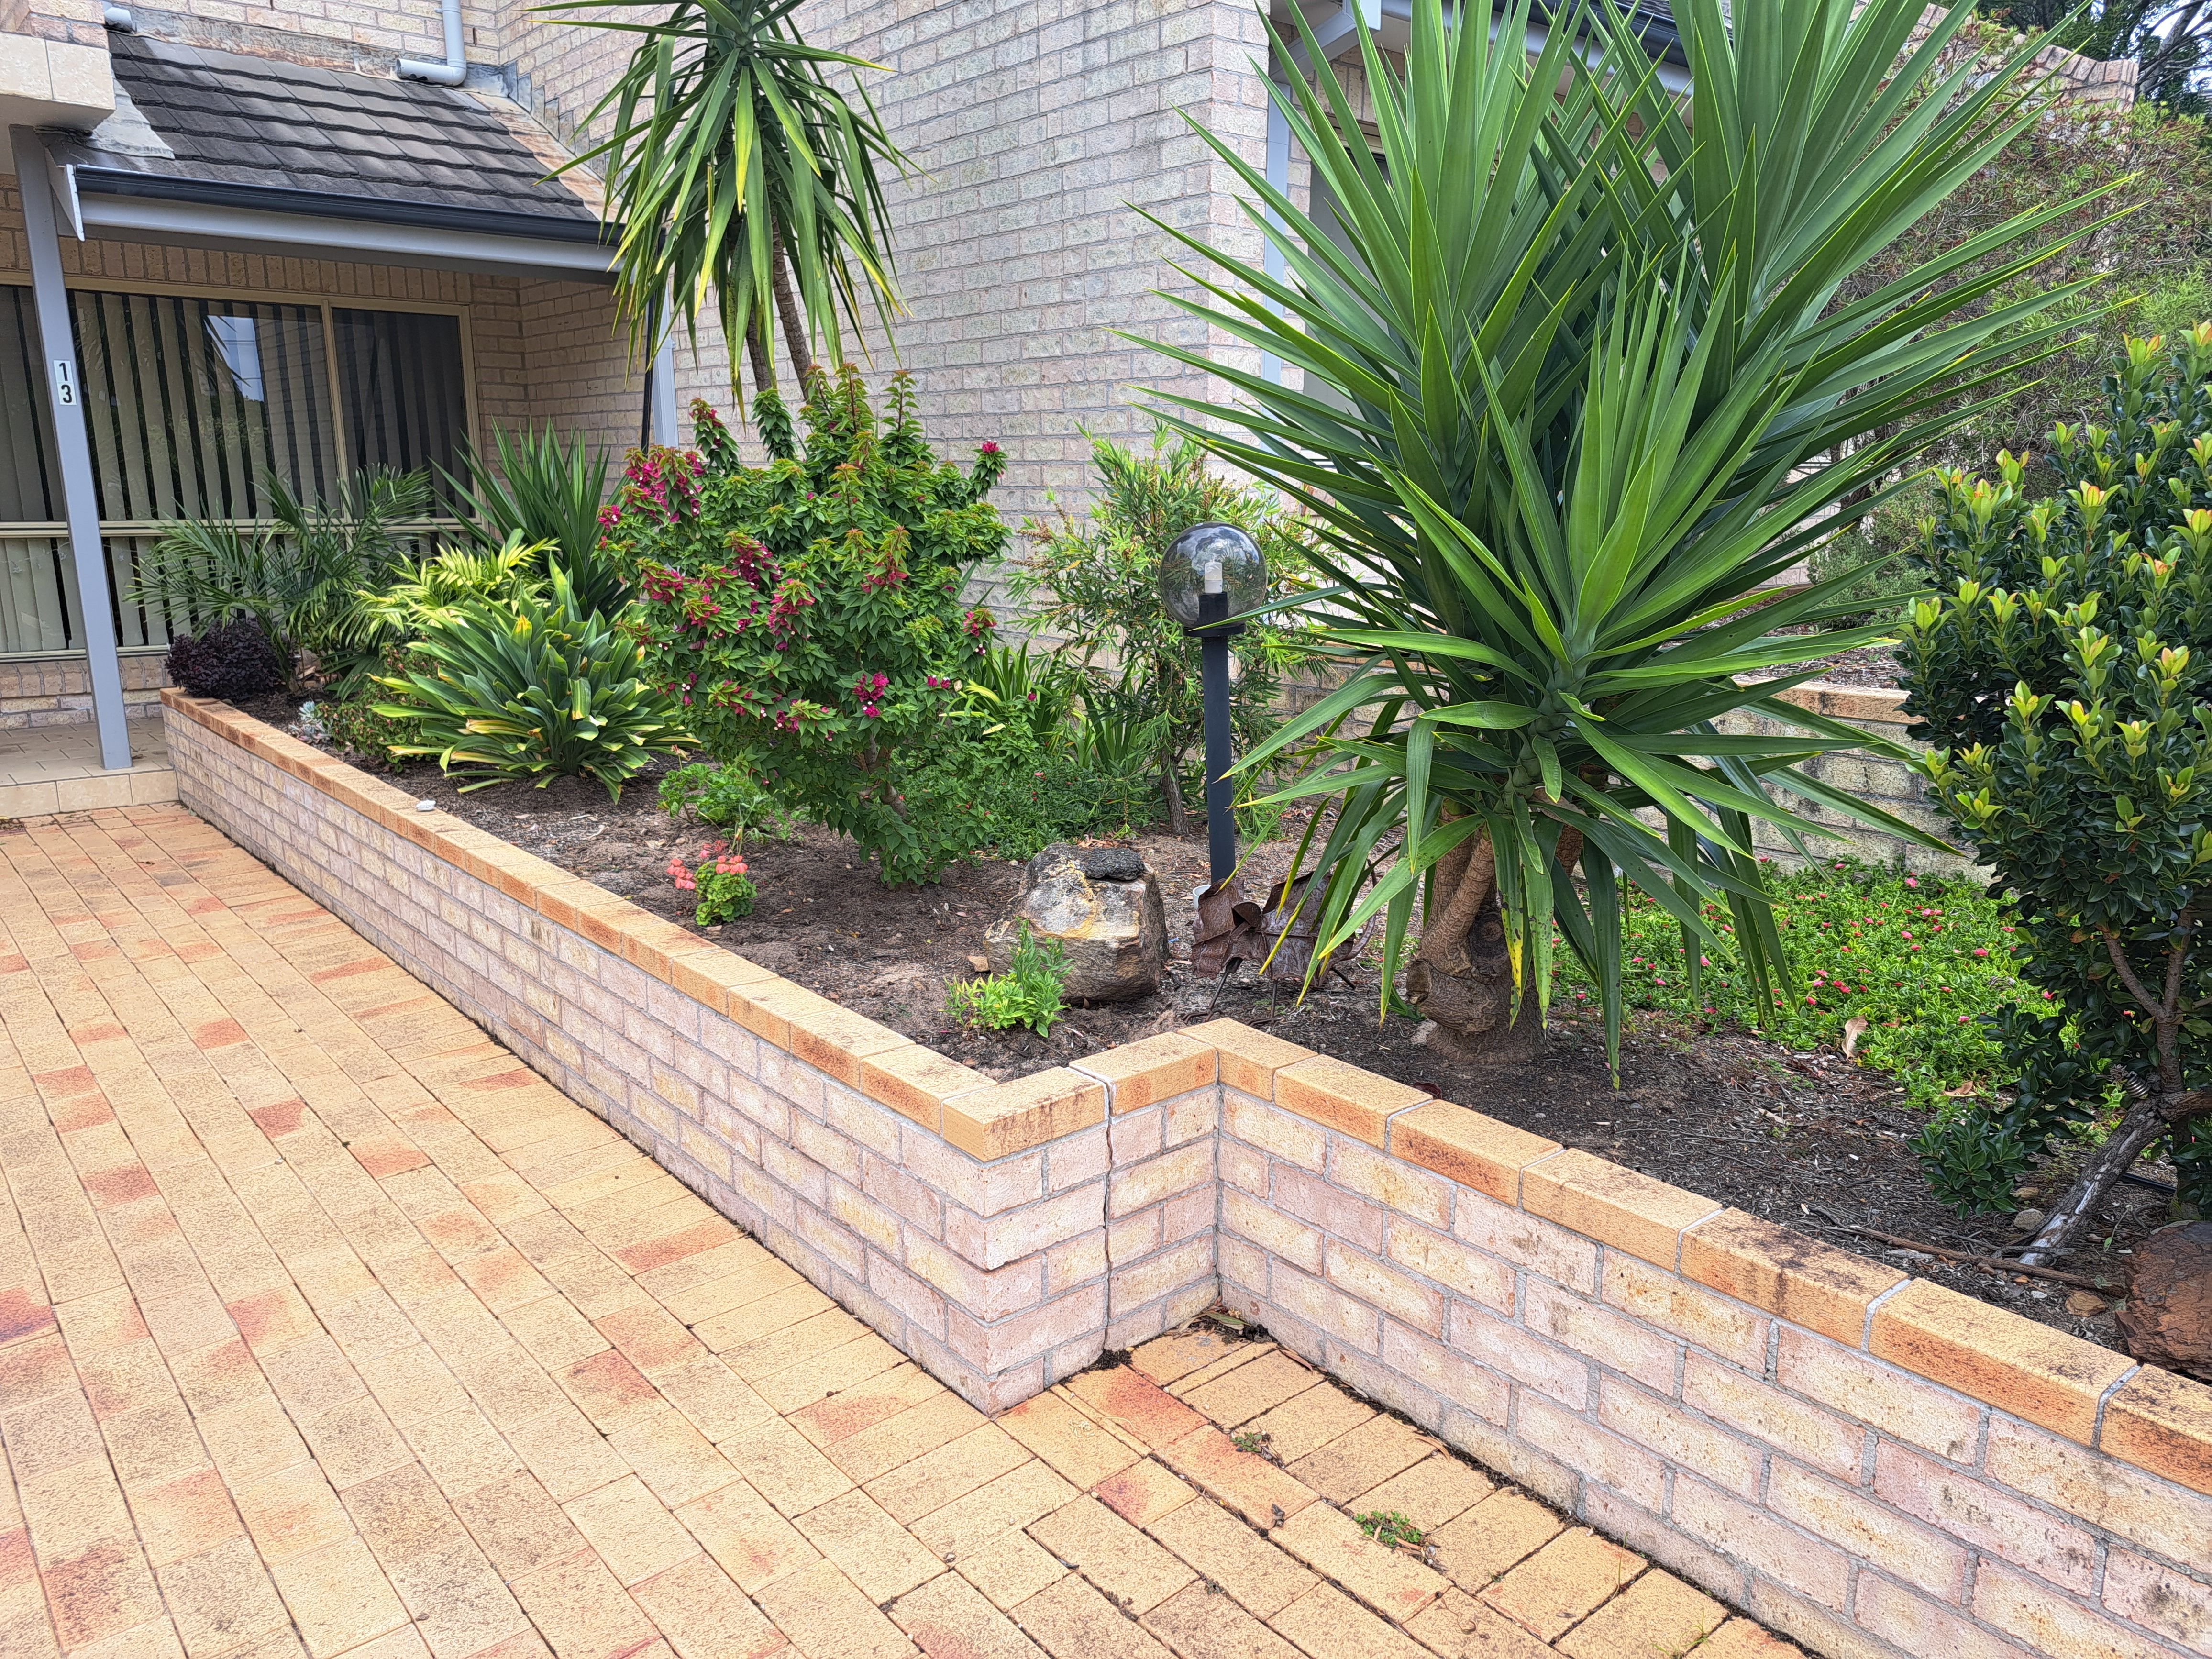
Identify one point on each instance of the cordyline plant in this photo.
(733, 162)
(1562, 428)
(2064, 674)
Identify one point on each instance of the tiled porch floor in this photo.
(327, 1328)
(55, 769)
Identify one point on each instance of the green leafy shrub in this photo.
(355, 725)
(729, 797)
(2062, 677)
(1032, 992)
(807, 614)
(1095, 583)
(721, 880)
(536, 690)
(231, 660)
(1925, 963)
(1005, 797)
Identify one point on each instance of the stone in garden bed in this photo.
(1103, 906)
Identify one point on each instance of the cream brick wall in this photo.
(1873, 1464)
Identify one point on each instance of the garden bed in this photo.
(1805, 1138)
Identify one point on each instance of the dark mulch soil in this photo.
(1808, 1140)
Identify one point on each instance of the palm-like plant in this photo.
(732, 163)
(1590, 398)
(302, 574)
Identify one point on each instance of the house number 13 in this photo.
(64, 382)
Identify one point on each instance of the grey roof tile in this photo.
(260, 121)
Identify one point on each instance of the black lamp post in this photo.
(1213, 572)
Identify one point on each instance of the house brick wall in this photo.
(1872, 1463)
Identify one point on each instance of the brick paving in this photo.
(326, 1327)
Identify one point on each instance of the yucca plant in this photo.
(532, 688)
(1566, 398)
(734, 164)
(550, 490)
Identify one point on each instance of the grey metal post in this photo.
(64, 387)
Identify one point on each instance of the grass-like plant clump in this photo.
(1919, 959)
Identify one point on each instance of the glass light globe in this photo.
(1209, 559)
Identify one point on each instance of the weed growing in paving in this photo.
(1390, 1529)
(1918, 959)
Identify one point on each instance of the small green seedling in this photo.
(1031, 991)
(1390, 1529)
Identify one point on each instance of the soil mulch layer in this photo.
(1869, 665)
(1811, 1141)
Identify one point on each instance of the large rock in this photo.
(1103, 907)
(2168, 1318)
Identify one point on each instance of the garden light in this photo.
(1213, 572)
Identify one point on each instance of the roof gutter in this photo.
(325, 204)
(433, 247)
(455, 69)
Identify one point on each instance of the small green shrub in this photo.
(730, 797)
(1971, 1159)
(533, 691)
(1926, 963)
(356, 725)
(1004, 797)
(2061, 672)
(1390, 1529)
(1031, 991)
(725, 890)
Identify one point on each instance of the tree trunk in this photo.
(1178, 814)
(2143, 1124)
(756, 349)
(1461, 977)
(794, 322)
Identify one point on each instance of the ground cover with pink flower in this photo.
(1921, 960)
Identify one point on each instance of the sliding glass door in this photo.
(194, 403)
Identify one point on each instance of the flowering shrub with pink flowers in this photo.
(808, 614)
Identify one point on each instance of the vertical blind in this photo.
(191, 404)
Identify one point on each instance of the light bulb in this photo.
(1212, 577)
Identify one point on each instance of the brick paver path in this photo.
(327, 1326)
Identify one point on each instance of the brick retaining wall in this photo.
(1872, 1463)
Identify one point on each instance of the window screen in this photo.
(400, 383)
(189, 403)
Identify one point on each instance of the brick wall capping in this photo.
(1987, 1357)
(2015, 1364)
(1466, 1146)
(1615, 1206)
(1884, 705)
(1334, 1092)
(1140, 1074)
(1820, 1286)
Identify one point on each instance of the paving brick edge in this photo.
(1586, 1343)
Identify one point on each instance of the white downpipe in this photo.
(455, 69)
